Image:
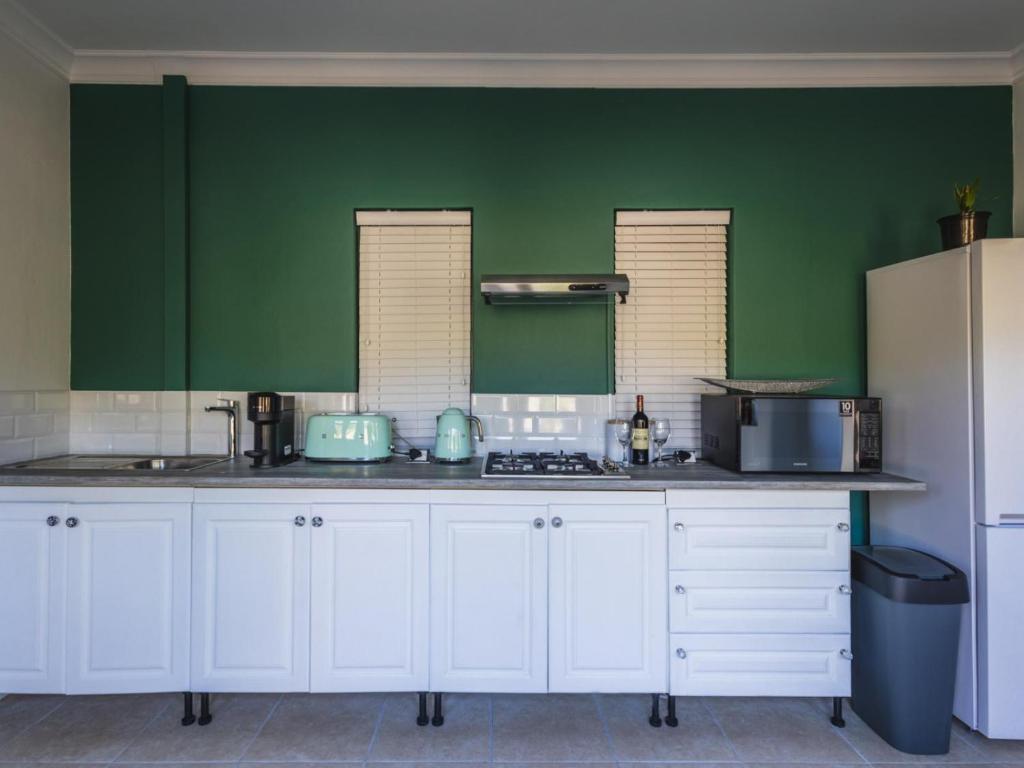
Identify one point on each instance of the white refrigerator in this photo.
(946, 354)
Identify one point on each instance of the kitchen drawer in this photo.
(759, 539)
(759, 601)
(759, 665)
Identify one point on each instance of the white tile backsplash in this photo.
(176, 423)
(33, 425)
(543, 422)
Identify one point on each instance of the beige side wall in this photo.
(35, 249)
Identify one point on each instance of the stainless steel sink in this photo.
(129, 463)
(182, 463)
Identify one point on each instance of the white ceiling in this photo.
(537, 26)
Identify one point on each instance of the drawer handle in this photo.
(680, 653)
(556, 522)
(71, 522)
(299, 521)
(844, 589)
(52, 520)
(538, 523)
(318, 521)
(680, 589)
(843, 527)
(843, 653)
(679, 527)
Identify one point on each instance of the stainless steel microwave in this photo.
(791, 433)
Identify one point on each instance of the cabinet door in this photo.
(607, 617)
(369, 591)
(488, 585)
(128, 587)
(250, 602)
(32, 557)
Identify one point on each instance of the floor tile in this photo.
(991, 750)
(696, 738)
(86, 729)
(18, 712)
(237, 718)
(322, 727)
(465, 734)
(774, 730)
(875, 749)
(548, 727)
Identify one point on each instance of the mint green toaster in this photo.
(348, 437)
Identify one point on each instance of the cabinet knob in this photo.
(71, 522)
(680, 653)
(843, 527)
(318, 521)
(52, 520)
(843, 653)
(844, 589)
(299, 521)
(680, 589)
(679, 527)
(538, 523)
(556, 522)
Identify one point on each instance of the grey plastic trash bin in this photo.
(906, 628)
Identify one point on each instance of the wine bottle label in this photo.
(641, 440)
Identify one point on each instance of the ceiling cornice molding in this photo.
(36, 38)
(1017, 63)
(551, 70)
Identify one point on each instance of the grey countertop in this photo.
(404, 474)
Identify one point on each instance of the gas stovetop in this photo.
(550, 465)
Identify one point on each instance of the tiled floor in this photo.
(377, 729)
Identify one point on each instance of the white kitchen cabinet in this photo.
(250, 597)
(742, 539)
(488, 585)
(32, 566)
(760, 665)
(369, 597)
(759, 601)
(607, 620)
(127, 597)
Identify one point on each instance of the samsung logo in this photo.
(799, 463)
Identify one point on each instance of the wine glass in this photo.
(624, 433)
(661, 429)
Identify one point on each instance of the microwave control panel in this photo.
(869, 434)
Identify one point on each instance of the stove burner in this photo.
(546, 464)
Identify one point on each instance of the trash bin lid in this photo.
(909, 576)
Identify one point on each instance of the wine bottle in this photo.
(641, 434)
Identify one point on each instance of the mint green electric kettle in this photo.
(454, 430)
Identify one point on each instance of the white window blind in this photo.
(673, 326)
(414, 316)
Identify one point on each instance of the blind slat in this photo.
(414, 305)
(674, 326)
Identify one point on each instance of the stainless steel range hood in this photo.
(553, 289)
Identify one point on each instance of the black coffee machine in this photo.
(274, 432)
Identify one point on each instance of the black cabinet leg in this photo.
(655, 718)
(670, 719)
(189, 717)
(837, 712)
(438, 711)
(422, 718)
(204, 709)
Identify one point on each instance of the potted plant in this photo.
(967, 226)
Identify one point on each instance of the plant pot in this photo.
(963, 228)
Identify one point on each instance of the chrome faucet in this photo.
(230, 407)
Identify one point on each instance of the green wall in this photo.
(824, 184)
